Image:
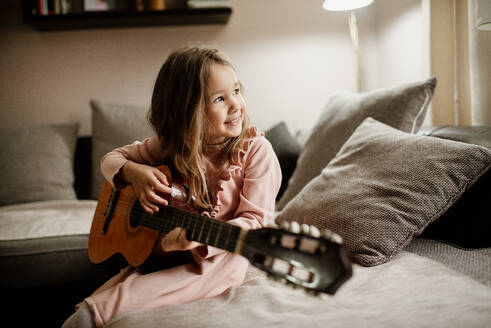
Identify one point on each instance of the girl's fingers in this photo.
(162, 177)
(161, 184)
(158, 186)
(148, 206)
(176, 240)
(154, 198)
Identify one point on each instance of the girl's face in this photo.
(225, 106)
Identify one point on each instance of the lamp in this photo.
(483, 15)
(342, 5)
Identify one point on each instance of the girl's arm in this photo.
(142, 152)
(133, 164)
(262, 179)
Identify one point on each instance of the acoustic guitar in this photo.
(297, 255)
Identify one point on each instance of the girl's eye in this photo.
(236, 91)
(217, 100)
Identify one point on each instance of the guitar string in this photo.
(220, 240)
(128, 201)
(172, 220)
(164, 223)
(207, 227)
(182, 217)
(129, 204)
(155, 222)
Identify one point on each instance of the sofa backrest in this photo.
(83, 167)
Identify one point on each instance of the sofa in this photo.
(411, 205)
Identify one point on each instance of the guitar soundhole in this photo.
(136, 214)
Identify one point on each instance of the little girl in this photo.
(230, 170)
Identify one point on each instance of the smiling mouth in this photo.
(234, 121)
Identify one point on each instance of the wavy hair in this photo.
(178, 117)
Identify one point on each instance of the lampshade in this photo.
(483, 15)
(338, 5)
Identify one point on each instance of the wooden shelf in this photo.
(110, 19)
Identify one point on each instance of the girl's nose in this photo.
(234, 105)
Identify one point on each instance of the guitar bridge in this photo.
(109, 211)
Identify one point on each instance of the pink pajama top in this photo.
(245, 196)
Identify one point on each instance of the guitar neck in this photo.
(198, 228)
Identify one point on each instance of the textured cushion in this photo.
(403, 107)
(287, 150)
(36, 163)
(385, 186)
(114, 125)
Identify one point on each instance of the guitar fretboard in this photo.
(198, 228)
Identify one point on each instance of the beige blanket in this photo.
(409, 291)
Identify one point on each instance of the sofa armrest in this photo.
(467, 222)
(478, 135)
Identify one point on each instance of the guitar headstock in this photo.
(300, 255)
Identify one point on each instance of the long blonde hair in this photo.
(178, 115)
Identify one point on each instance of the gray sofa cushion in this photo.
(49, 276)
(36, 163)
(43, 251)
(114, 125)
(286, 149)
(49, 261)
(45, 243)
(403, 107)
(385, 186)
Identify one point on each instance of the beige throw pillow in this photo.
(385, 186)
(36, 163)
(114, 125)
(403, 107)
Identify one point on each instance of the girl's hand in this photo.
(147, 182)
(176, 240)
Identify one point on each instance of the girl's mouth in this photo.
(233, 122)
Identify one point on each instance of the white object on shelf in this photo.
(209, 4)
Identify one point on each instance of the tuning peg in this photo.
(326, 234)
(305, 228)
(314, 232)
(337, 238)
(334, 237)
(285, 225)
(294, 227)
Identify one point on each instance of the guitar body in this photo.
(135, 243)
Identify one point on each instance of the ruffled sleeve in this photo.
(261, 178)
(147, 151)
